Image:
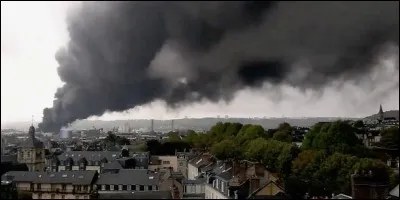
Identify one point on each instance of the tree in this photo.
(282, 136)
(125, 153)
(173, 137)
(379, 169)
(256, 149)
(390, 138)
(359, 124)
(250, 132)
(335, 171)
(224, 150)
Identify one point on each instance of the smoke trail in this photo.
(124, 54)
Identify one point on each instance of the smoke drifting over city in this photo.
(125, 54)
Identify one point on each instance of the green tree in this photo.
(390, 138)
(251, 132)
(283, 136)
(359, 124)
(173, 137)
(256, 149)
(335, 171)
(380, 170)
(224, 150)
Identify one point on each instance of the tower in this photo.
(380, 114)
(152, 125)
(172, 125)
(31, 152)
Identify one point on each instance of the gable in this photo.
(271, 189)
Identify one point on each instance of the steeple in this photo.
(32, 130)
(380, 113)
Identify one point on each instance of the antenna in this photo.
(32, 119)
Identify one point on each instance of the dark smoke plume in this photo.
(124, 54)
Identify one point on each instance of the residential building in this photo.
(135, 195)
(83, 160)
(196, 164)
(183, 159)
(238, 180)
(31, 152)
(162, 162)
(134, 180)
(54, 185)
(270, 190)
(194, 189)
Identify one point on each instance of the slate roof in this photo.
(226, 174)
(90, 155)
(197, 181)
(32, 143)
(127, 177)
(9, 158)
(112, 165)
(67, 177)
(200, 161)
(135, 195)
(342, 196)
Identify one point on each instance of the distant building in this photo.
(137, 180)
(31, 152)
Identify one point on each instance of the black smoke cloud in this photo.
(124, 54)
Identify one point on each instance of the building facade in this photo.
(31, 152)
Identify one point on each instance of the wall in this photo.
(59, 196)
(97, 168)
(211, 193)
(173, 162)
(192, 172)
(194, 189)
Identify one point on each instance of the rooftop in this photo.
(67, 177)
(128, 177)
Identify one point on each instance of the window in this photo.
(78, 188)
(103, 187)
(165, 162)
(62, 196)
(64, 187)
(181, 164)
(111, 187)
(40, 196)
(107, 187)
(77, 197)
(222, 186)
(124, 187)
(85, 188)
(216, 183)
(150, 187)
(28, 154)
(53, 196)
(115, 187)
(39, 186)
(119, 187)
(141, 188)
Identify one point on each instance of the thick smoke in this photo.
(124, 54)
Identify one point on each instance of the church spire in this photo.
(32, 130)
(380, 113)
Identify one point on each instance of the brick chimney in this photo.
(254, 183)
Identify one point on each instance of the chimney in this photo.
(236, 194)
(254, 184)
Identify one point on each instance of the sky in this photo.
(31, 33)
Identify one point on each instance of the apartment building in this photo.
(134, 180)
(196, 164)
(193, 189)
(162, 162)
(54, 185)
(83, 160)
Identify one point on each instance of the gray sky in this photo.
(29, 78)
